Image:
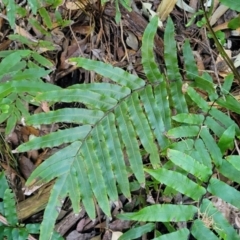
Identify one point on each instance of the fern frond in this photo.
(165, 213)
(56, 138)
(173, 75)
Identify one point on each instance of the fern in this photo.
(122, 118)
(20, 79)
(10, 227)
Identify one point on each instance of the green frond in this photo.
(89, 98)
(211, 146)
(131, 144)
(201, 231)
(183, 131)
(173, 74)
(137, 232)
(56, 138)
(220, 224)
(161, 98)
(115, 74)
(154, 116)
(162, 213)
(225, 192)
(95, 175)
(112, 90)
(116, 153)
(149, 65)
(143, 129)
(67, 115)
(189, 164)
(173, 178)
(182, 234)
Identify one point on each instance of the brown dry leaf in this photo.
(132, 41)
(222, 67)
(21, 31)
(116, 235)
(45, 107)
(218, 13)
(165, 7)
(26, 166)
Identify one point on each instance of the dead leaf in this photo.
(165, 8)
(116, 235)
(132, 41)
(26, 166)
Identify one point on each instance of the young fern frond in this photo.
(121, 119)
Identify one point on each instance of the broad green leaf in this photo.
(183, 131)
(225, 192)
(234, 160)
(11, 60)
(73, 189)
(116, 74)
(234, 5)
(201, 103)
(220, 224)
(92, 99)
(105, 162)
(200, 231)
(162, 213)
(56, 138)
(137, 232)
(112, 90)
(178, 182)
(95, 175)
(56, 165)
(234, 23)
(42, 60)
(225, 120)
(173, 75)
(189, 61)
(21, 39)
(230, 170)
(69, 115)
(182, 234)
(212, 146)
(189, 164)
(9, 207)
(57, 196)
(227, 84)
(11, 11)
(31, 74)
(189, 118)
(116, 153)
(204, 156)
(129, 138)
(161, 99)
(215, 126)
(227, 139)
(33, 5)
(3, 188)
(154, 116)
(143, 129)
(149, 65)
(85, 187)
(11, 122)
(46, 17)
(230, 103)
(33, 228)
(34, 22)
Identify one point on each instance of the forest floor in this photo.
(94, 34)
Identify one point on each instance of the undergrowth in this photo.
(162, 118)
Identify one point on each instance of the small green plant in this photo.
(21, 74)
(10, 228)
(134, 116)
